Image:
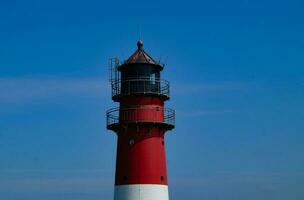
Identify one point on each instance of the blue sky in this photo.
(236, 71)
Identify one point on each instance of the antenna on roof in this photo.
(139, 42)
(139, 33)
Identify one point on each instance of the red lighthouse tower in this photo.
(140, 123)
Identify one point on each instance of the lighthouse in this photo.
(140, 122)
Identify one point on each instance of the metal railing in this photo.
(140, 86)
(166, 116)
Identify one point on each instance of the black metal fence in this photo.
(140, 86)
(168, 115)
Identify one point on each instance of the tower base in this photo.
(141, 192)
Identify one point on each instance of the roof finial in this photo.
(140, 44)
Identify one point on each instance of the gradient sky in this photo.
(237, 76)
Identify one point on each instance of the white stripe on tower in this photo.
(141, 192)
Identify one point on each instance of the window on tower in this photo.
(152, 78)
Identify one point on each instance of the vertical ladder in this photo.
(114, 75)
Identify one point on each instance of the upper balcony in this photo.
(140, 86)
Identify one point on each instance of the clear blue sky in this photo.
(237, 75)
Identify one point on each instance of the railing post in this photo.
(128, 81)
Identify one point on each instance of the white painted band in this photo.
(141, 192)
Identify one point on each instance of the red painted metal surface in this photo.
(141, 152)
(141, 157)
(141, 100)
(142, 114)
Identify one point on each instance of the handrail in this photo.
(140, 86)
(163, 115)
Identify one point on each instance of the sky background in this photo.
(237, 82)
